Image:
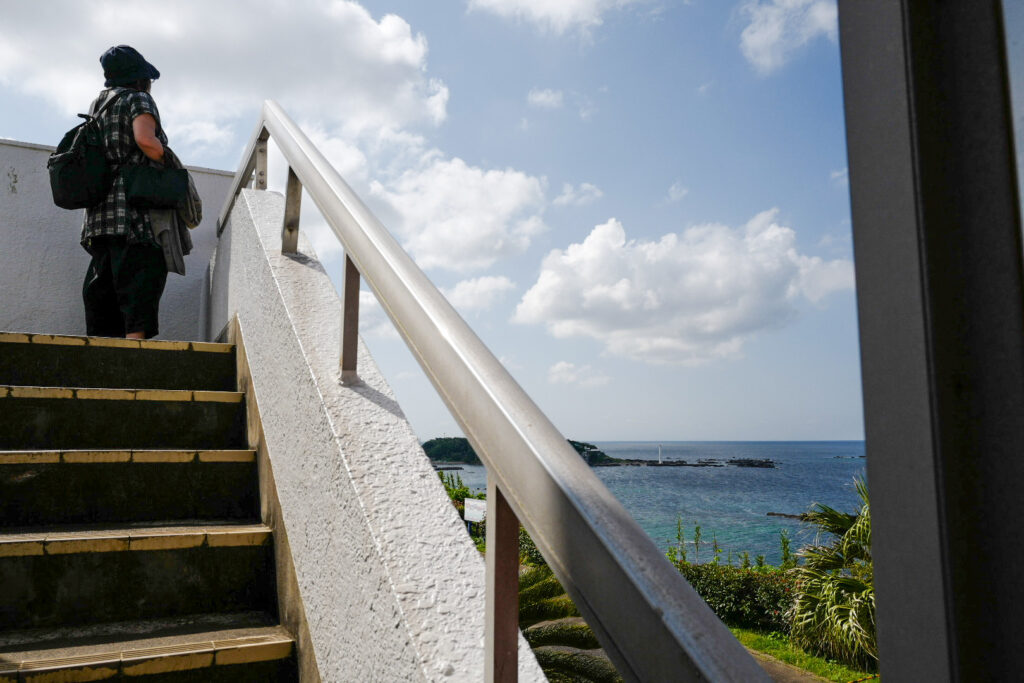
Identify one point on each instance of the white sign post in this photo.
(476, 510)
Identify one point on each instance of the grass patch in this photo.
(779, 646)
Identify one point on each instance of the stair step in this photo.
(54, 541)
(62, 360)
(128, 497)
(112, 486)
(147, 456)
(67, 576)
(116, 394)
(254, 653)
(58, 418)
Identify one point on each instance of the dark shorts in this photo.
(122, 288)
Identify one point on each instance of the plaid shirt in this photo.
(113, 216)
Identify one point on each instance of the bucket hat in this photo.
(123, 64)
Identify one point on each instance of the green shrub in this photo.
(756, 598)
(541, 590)
(570, 632)
(528, 552)
(565, 664)
(457, 490)
(557, 607)
(533, 576)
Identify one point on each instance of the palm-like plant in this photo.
(564, 645)
(834, 608)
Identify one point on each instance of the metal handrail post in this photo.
(244, 176)
(501, 640)
(292, 206)
(350, 323)
(260, 179)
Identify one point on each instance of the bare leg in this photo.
(135, 335)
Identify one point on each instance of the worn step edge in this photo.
(180, 395)
(78, 457)
(64, 542)
(198, 651)
(114, 342)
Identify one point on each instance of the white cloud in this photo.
(556, 16)
(839, 242)
(479, 293)
(586, 106)
(459, 217)
(354, 73)
(778, 28)
(545, 98)
(373, 321)
(686, 298)
(564, 372)
(677, 192)
(586, 193)
(840, 177)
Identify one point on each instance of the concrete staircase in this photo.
(130, 534)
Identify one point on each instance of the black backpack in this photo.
(80, 176)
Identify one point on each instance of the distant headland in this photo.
(452, 450)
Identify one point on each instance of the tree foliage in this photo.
(457, 449)
(451, 449)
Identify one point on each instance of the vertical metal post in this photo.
(350, 323)
(260, 178)
(940, 292)
(501, 641)
(292, 205)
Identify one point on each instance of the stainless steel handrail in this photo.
(648, 619)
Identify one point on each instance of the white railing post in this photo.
(350, 323)
(501, 640)
(292, 205)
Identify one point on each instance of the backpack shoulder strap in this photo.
(94, 113)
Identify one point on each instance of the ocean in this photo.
(731, 504)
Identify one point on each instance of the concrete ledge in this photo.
(390, 583)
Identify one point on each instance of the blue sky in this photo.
(640, 205)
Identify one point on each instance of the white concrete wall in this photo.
(42, 264)
(391, 585)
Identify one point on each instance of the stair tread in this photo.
(50, 638)
(63, 540)
(114, 342)
(106, 530)
(230, 639)
(118, 394)
(139, 455)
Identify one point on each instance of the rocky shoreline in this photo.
(447, 453)
(704, 462)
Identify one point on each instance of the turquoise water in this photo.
(730, 503)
